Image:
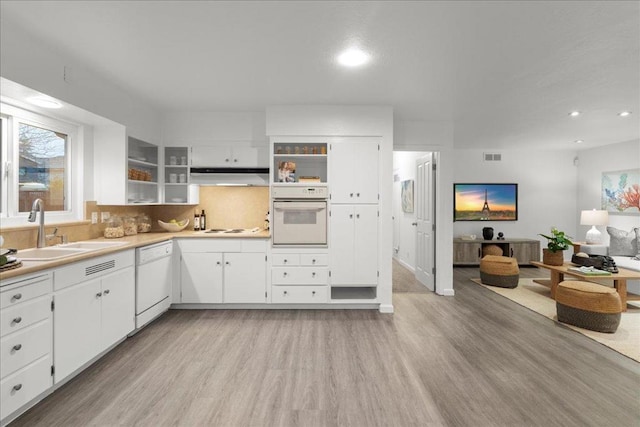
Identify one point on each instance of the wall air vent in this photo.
(93, 269)
(492, 157)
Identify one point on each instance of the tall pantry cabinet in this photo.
(353, 235)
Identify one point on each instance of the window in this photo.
(37, 163)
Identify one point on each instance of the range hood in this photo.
(230, 176)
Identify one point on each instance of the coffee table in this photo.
(619, 279)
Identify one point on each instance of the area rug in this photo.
(535, 297)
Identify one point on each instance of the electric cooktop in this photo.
(233, 230)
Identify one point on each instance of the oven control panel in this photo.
(299, 192)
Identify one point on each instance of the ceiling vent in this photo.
(492, 157)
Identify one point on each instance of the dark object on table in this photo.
(487, 233)
(601, 262)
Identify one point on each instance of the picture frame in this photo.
(621, 192)
(406, 195)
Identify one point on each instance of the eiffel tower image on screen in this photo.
(485, 208)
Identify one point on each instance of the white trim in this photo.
(386, 308)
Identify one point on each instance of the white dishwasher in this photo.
(153, 281)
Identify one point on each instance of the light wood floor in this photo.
(476, 359)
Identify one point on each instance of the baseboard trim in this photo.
(386, 308)
(447, 292)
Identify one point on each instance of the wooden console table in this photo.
(619, 279)
(469, 252)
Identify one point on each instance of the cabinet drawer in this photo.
(299, 294)
(33, 288)
(299, 276)
(19, 349)
(285, 259)
(24, 385)
(19, 317)
(314, 259)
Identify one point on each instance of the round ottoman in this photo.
(499, 271)
(588, 305)
(492, 250)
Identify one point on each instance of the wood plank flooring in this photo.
(476, 359)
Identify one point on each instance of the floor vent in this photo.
(492, 157)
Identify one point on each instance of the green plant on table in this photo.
(558, 241)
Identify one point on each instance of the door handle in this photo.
(357, 215)
(414, 224)
(17, 296)
(106, 291)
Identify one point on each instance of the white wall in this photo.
(592, 163)
(547, 191)
(202, 128)
(37, 65)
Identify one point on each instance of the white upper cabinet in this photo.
(353, 172)
(228, 157)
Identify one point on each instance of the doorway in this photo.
(413, 214)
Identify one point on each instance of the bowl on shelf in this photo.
(174, 226)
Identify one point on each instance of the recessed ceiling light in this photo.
(44, 102)
(624, 113)
(575, 113)
(353, 57)
(578, 141)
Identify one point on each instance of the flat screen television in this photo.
(485, 202)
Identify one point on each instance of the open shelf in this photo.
(350, 294)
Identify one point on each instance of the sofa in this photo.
(624, 248)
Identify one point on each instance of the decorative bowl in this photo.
(174, 226)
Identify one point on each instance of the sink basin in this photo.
(47, 254)
(91, 245)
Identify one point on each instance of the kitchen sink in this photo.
(91, 245)
(47, 254)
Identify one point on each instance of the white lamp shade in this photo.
(594, 217)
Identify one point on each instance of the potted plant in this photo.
(558, 242)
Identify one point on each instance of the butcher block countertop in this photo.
(131, 242)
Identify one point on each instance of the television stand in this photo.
(469, 252)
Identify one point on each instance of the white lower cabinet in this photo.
(354, 245)
(223, 271)
(92, 314)
(299, 278)
(25, 341)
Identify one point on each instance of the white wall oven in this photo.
(299, 216)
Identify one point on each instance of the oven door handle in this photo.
(300, 206)
(300, 209)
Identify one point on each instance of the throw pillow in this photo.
(622, 243)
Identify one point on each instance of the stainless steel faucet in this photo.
(38, 206)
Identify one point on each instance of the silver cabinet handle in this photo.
(350, 194)
(414, 223)
(313, 292)
(227, 263)
(350, 215)
(313, 274)
(285, 292)
(17, 387)
(285, 261)
(284, 274)
(17, 319)
(313, 261)
(218, 263)
(235, 160)
(357, 215)
(99, 294)
(106, 291)
(17, 296)
(17, 347)
(226, 160)
(357, 194)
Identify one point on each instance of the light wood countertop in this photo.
(131, 242)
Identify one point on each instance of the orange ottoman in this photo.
(499, 271)
(588, 305)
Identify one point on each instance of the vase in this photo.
(487, 233)
(552, 258)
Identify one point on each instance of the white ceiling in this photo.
(506, 73)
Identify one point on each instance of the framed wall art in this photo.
(621, 192)
(407, 196)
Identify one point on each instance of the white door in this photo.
(118, 306)
(76, 326)
(365, 264)
(201, 277)
(341, 172)
(342, 245)
(424, 218)
(245, 278)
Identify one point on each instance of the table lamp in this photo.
(593, 218)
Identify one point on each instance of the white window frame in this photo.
(13, 116)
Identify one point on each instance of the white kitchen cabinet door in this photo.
(354, 172)
(201, 277)
(118, 306)
(354, 245)
(245, 277)
(341, 244)
(211, 156)
(365, 245)
(249, 157)
(76, 326)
